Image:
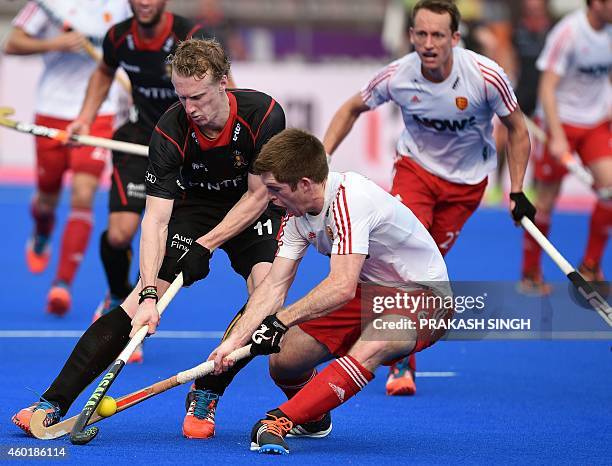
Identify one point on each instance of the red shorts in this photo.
(442, 206)
(590, 144)
(340, 329)
(53, 158)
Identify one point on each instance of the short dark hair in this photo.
(291, 155)
(440, 6)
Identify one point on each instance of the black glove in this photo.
(266, 339)
(522, 207)
(193, 264)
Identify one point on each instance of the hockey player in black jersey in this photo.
(140, 46)
(201, 196)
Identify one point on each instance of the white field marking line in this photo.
(436, 374)
(161, 334)
(78, 333)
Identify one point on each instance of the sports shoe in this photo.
(38, 253)
(315, 429)
(532, 284)
(199, 421)
(401, 379)
(268, 435)
(137, 357)
(22, 418)
(58, 299)
(594, 275)
(109, 303)
(591, 273)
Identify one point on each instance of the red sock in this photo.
(601, 221)
(532, 252)
(291, 386)
(74, 243)
(338, 382)
(43, 219)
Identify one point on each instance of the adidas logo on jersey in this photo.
(338, 391)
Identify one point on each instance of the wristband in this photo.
(148, 292)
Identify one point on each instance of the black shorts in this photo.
(127, 193)
(193, 218)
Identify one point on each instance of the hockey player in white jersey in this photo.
(575, 105)
(448, 97)
(377, 249)
(60, 30)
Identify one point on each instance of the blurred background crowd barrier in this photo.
(311, 55)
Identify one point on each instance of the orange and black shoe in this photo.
(533, 285)
(22, 418)
(199, 421)
(268, 435)
(38, 253)
(401, 380)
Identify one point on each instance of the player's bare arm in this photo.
(152, 248)
(335, 290)
(519, 148)
(343, 122)
(250, 206)
(97, 89)
(557, 144)
(21, 43)
(267, 299)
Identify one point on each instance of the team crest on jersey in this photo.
(239, 160)
(461, 102)
(330, 233)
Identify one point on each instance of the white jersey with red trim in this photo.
(582, 57)
(359, 217)
(448, 125)
(62, 86)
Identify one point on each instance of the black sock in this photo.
(218, 383)
(95, 351)
(116, 266)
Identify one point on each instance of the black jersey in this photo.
(145, 63)
(184, 163)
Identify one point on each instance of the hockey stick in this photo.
(88, 46)
(79, 435)
(60, 429)
(584, 288)
(570, 162)
(62, 136)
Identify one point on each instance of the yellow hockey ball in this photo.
(107, 407)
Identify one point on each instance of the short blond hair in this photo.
(291, 155)
(198, 58)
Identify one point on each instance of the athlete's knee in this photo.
(46, 201)
(285, 365)
(82, 198)
(119, 237)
